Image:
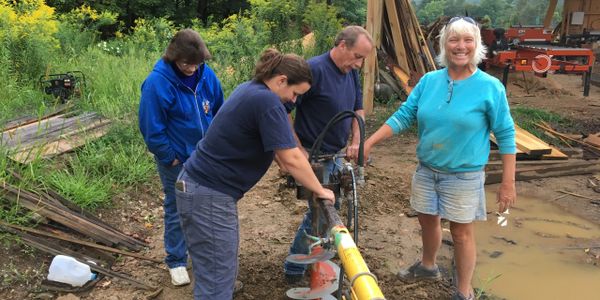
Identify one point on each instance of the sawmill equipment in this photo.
(533, 48)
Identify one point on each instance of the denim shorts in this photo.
(457, 197)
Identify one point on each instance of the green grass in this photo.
(100, 169)
(527, 117)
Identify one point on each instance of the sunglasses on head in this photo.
(467, 19)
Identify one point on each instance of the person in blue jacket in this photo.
(250, 129)
(455, 108)
(179, 100)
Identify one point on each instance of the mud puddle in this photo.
(539, 254)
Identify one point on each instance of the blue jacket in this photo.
(173, 117)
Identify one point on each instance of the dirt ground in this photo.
(389, 237)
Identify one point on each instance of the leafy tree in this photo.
(322, 20)
(431, 11)
(351, 11)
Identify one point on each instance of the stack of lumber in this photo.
(399, 40)
(51, 135)
(536, 159)
(531, 147)
(66, 221)
(54, 207)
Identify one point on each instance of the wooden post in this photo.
(395, 27)
(549, 14)
(374, 21)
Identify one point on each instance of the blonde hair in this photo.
(461, 27)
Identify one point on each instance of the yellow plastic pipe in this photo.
(362, 281)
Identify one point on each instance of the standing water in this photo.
(532, 256)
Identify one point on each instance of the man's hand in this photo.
(506, 196)
(352, 152)
(175, 162)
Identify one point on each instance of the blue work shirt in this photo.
(239, 146)
(332, 92)
(172, 116)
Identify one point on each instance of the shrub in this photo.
(322, 20)
(27, 37)
(152, 35)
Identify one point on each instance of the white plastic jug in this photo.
(67, 269)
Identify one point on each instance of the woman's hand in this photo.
(506, 196)
(326, 195)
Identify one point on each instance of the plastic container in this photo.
(67, 269)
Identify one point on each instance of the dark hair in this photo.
(272, 63)
(186, 45)
(350, 34)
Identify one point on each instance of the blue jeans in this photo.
(173, 238)
(210, 223)
(301, 243)
(457, 197)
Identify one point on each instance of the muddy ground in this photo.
(389, 238)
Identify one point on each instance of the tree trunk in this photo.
(201, 10)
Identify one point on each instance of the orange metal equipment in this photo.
(529, 49)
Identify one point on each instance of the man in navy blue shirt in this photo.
(335, 88)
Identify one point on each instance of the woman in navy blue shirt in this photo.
(237, 150)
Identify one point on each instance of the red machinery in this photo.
(529, 48)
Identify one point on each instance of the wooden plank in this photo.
(423, 47)
(58, 214)
(550, 14)
(529, 143)
(65, 144)
(410, 29)
(593, 139)
(28, 120)
(403, 79)
(79, 242)
(374, 19)
(388, 79)
(397, 39)
(564, 169)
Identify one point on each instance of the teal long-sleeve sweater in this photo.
(455, 118)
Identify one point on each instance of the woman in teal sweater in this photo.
(455, 108)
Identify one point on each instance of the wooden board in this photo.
(374, 21)
(593, 139)
(397, 39)
(60, 146)
(556, 170)
(403, 78)
(529, 143)
(52, 136)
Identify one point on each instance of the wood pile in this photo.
(54, 207)
(53, 134)
(536, 159)
(400, 42)
(66, 218)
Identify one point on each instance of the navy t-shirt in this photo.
(331, 92)
(239, 145)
